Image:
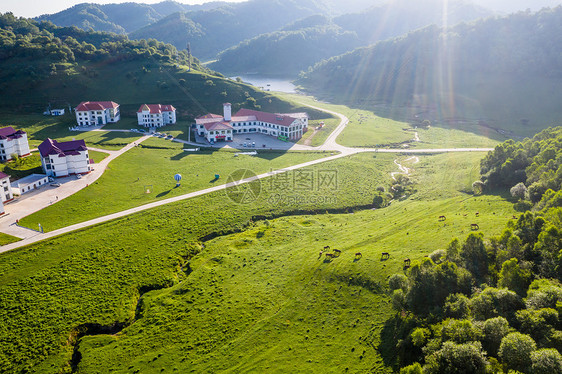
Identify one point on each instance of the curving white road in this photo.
(7, 224)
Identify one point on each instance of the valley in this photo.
(394, 209)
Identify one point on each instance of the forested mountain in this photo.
(41, 63)
(315, 38)
(286, 52)
(120, 18)
(220, 28)
(492, 304)
(496, 68)
(399, 17)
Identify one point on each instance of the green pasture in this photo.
(232, 299)
(145, 174)
(374, 126)
(97, 156)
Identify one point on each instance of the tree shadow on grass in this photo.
(164, 193)
(395, 330)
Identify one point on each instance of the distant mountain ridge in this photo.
(506, 69)
(307, 41)
(120, 18)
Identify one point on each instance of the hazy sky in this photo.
(33, 8)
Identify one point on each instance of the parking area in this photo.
(259, 141)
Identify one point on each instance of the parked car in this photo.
(133, 130)
(55, 184)
(78, 176)
(169, 137)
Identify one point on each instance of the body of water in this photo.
(268, 83)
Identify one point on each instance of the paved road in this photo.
(8, 226)
(34, 201)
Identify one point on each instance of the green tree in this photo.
(412, 369)
(474, 256)
(398, 281)
(515, 351)
(457, 359)
(457, 306)
(514, 278)
(494, 329)
(493, 302)
(546, 361)
(460, 331)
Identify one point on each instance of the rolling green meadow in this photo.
(191, 287)
(373, 126)
(124, 184)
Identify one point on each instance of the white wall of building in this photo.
(146, 119)
(20, 187)
(56, 166)
(6, 192)
(10, 146)
(97, 117)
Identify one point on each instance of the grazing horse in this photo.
(442, 218)
(477, 214)
(337, 253)
(329, 255)
(407, 263)
(474, 226)
(385, 256)
(327, 248)
(320, 254)
(358, 255)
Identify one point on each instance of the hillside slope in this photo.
(64, 66)
(309, 40)
(503, 71)
(286, 52)
(223, 27)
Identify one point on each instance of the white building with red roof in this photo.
(288, 126)
(156, 115)
(13, 141)
(64, 158)
(97, 113)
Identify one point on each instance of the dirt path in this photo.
(404, 170)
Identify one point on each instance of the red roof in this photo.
(3, 175)
(52, 147)
(10, 133)
(210, 115)
(96, 105)
(218, 126)
(273, 118)
(156, 108)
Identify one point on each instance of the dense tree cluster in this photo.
(492, 305)
(30, 40)
(532, 169)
